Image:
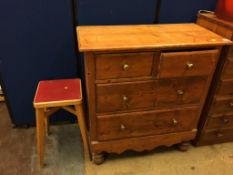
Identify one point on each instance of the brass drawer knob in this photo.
(231, 104)
(226, 121)
(174, 122)
(123, 127)
(124, 98)
(219, 135)
(190, 65)
(180, 92)
(125, 67)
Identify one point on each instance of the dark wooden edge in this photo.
(208, 83)
(89, 68)
(211, 94)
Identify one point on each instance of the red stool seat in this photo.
(58, 91)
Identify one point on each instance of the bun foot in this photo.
(184, 146)
(98, 158)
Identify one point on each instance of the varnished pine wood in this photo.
(230, 54)
(142, 143)
(146, 123)
(134, 37)
(40, 133)
(46, 123)
(228, 69)
(142, 96)
(42, 127)
(180, 64)
(70, 109)
(44, 109)
(215, 136)
(213, 20)
(110, 66)
(220, 95)
(89, 64)
(212, 23)
(222, 104)
(225, 87)
(156, 93)
(220, 121)
(82, 125)
(51, 111)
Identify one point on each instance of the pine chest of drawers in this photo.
(216, 125)
(146, 84)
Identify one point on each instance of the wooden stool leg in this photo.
(83, 129)
(48, 113)
(40, 132)
(46, 122)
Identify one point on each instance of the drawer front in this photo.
(230, 53)
(149, 94)
(125, 65)
(222, 106)
(217, 136)
(145, 123)
(222, 121)
(225, 87)
(228, 70)
(179, 64)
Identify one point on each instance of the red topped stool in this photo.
(52, 95)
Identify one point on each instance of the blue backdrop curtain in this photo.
(37, 39)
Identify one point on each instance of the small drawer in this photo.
(146, 123)
(228, 70)
(149, 94)
(124, 65)
(217, 136)
(222, 105)
(192, 63)
(225, 87)
(220, 121)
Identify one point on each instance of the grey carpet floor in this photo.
(63, 153)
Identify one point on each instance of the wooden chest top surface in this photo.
(133, 37)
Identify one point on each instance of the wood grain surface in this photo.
(131, 37)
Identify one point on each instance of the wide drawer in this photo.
(228, 70)
(124, 65)
(146, 123)
(222, 105)
(225, 87)
(220, 121)
(217, 136)
(192, 63)
(149, 94)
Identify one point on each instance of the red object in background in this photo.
(224, 9)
